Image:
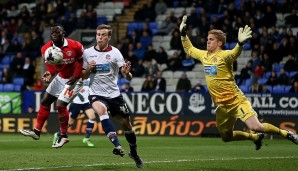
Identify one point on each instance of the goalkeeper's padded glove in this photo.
(182, 27)
(244, 34)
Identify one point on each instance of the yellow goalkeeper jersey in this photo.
(218, 69)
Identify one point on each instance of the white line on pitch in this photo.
(152, 162)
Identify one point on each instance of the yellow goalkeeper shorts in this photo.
(230, 111)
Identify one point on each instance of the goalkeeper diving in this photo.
(229, 100)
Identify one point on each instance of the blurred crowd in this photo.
(25, 28)
(274, 47)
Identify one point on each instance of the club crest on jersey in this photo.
(69, 53)
(108, 57)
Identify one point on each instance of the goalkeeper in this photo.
(229, 100)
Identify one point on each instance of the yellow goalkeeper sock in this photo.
(273, 130)
(240, 135)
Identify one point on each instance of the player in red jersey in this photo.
(64, 86)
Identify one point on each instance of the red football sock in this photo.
(42, 116)
(63, 117)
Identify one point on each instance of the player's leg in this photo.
(66, 95)
(74, 110)
(131, 139)
(99, 105)
(249, 116)
(91, 115)
(42, 116)
(254, 124)
(50, 96)
(225, 123)
(63, 117)
(119, 107)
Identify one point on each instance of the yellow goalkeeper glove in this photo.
(244, 34)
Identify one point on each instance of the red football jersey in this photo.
(72, 51)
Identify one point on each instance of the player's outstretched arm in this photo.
(187, 45)
(244, 34)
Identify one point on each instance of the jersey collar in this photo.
(65, 43)
(109, 48)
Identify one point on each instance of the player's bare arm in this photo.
(72, 80)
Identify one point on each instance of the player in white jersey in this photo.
(78, 104)
(102, 64)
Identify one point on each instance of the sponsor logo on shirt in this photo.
(103, 68)
(210, 70)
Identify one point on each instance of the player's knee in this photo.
(226, 137)
(125, 124)
(258, 127)
(61, 109)
(103, 114)
(92, 117)
(71, 121)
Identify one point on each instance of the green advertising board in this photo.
(10, 102)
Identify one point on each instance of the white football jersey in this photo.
(103, 80)
(82, 96)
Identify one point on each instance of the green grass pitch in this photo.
(158, 153)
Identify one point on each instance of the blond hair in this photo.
(220, 35)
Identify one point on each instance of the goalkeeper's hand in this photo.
(244, 34)
(182, 27)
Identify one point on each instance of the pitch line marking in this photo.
(152, 162)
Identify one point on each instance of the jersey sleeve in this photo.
(120, 60)
(233, 54)
(79, 50)
(85, 61)
(79, 60)
(191, 50)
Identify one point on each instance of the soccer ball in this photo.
(54, 56)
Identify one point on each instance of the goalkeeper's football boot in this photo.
(259, 141)
(119, 151)
(88, 142)
(63, 139)
(55, 138)
(138, 160)
(292, 137)
(31, 134)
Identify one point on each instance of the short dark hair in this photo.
(105, 26)
(57, 25)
